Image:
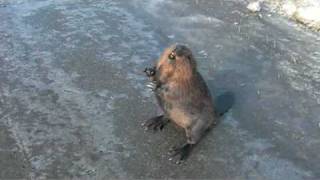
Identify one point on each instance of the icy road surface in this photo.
(73, 96)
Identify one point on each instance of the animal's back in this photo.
(191, 105)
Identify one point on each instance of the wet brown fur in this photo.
(183, 94)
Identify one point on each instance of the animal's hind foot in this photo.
(156, 123)
(183, 152)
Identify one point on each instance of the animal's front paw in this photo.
(152, 86)
(150, 71)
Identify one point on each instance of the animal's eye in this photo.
(172, 56)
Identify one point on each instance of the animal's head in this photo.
(176, 63)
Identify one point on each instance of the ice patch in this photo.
(199, 18)
(266, 167)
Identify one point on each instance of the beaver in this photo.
(183, 96)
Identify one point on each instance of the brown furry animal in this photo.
(183, 96)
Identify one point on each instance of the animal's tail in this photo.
(223, 103)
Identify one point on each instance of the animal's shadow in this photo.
(223, 101)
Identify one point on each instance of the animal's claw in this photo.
(150, 71)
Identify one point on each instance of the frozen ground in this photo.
(306, 12)
(72, 94)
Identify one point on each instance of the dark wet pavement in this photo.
(73, 96)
